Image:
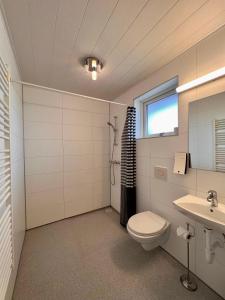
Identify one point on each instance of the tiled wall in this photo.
(66, 155)
(17, 160)
(156, 194)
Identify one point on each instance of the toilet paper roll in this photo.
(183, 233)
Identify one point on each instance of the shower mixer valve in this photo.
(114, 162)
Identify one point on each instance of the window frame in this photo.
(153, 99)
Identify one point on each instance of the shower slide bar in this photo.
(65, 92)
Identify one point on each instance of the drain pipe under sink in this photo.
(209, 246)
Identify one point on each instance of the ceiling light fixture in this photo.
(201, 80)
(93, 65)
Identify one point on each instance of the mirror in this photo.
(207, 133)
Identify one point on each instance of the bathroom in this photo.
(78, 80)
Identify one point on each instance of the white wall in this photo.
(157, 194)
(66, 155)
(17, 161)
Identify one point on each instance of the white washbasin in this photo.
(200, 210)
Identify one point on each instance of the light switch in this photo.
(160, 172)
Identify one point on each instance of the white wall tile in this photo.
(38, 113)
(66, 149)
(78, 199)
(77, 147)
(42, 182)
(44, 165)
(78, 162)
(39, 130)
(100, 120)
(211, 181)
(34, 148)
(76, 102)
(84, 104)
(115, 196)
(100, 107)
(76, 117)
(157, 194)
(101, 199)
(78, 177)
(188, 180)
(101, 191)
(100, 133)
(142, 193)
(100, 161)
(82, 206)
(42, 97)
(101, 174)
(101, 147)
(44, 207)
(80, 133)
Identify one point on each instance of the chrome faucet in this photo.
(212, 197)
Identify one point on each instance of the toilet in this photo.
(148, 229)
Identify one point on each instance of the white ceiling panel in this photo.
(132, 38)
(204, 21)
(118, 25)
(21, 35)
(70, 16)
(43, 34)
(154, 11)
(164, 28)
(96, 18)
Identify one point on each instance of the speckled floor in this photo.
(91, 257)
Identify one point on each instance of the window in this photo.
(161, 115)
(157, 111)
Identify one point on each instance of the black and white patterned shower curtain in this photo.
(128, 168)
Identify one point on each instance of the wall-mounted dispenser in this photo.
(181, 163)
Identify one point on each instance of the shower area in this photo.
(72, 154)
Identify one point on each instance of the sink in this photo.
(200, 210)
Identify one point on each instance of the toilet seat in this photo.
(146, 224)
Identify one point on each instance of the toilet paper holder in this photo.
(186, 280)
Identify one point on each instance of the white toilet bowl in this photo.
(148, 229)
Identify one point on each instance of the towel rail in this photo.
(4, 117)
(4, 124)
(6, 237)
(219, 128)
(4, 137)
(4, 172)
(6, 196)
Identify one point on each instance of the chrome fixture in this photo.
(93, 65)
(114, 127)
(112, 161)
(186, 280)
(212, 198)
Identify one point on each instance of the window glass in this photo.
(162, 115)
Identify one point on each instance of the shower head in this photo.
(110, 124)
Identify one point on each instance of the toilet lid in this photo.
(146, 223)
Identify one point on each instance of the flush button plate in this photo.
(160, 172)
